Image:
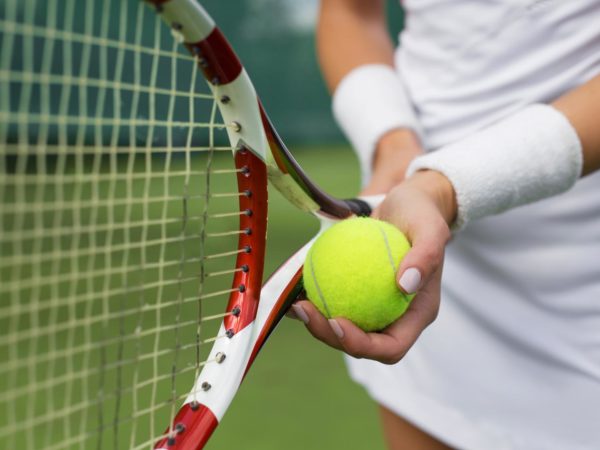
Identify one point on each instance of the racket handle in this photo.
(364, 206)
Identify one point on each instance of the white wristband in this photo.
(370, 101)
(531, 155)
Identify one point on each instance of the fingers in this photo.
(415, 209)
(425, 257)
(357, 343)
(413, 212)
(316, 323)
(388, 346)
(393, 343)
(422, 312)
(338, 332)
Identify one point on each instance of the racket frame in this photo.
(260, 154)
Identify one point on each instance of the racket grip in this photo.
(364, 206)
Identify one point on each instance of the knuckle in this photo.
(356, 349)
(353, 351)
(317, 333)
(392, 358)
(314, 334)
(433, 316)
(356, 355)
(444, 232)
(434, 256)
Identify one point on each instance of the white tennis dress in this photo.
(513, 360)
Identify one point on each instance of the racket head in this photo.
(250, 131)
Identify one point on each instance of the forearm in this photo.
(582, 107)
(538, 152)
(370, 102)
(351, 33)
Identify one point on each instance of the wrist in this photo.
(439, 189)
(369, 102)
(529, 156)
(394, 152)
(397, 142)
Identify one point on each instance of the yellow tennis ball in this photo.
(350, 272)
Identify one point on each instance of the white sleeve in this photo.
(370, 101)
(526, 157)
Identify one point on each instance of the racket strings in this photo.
(12, 149)
(58, 381)
(31, 258)
(138, 414)
(41, 332)
(75, 408)
(119, 213)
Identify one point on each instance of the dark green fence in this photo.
(275, 40)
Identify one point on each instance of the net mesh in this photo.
(119, 223)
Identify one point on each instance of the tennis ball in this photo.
(350, 272)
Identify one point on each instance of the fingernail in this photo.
(300, 313)
(410, 280)
(336, 328)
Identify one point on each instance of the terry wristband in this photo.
(370, 101)
(528, 156)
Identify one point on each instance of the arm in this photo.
(423, 206)
(582, 107)
(535, 153)
(350, 34)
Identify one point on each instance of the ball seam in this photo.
(319, 292)
(388, 248)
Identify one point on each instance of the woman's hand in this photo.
(422, 207)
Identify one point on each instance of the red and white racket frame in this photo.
(260, 155)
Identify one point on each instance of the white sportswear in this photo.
(513, 360)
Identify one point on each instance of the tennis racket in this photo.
(133, 207)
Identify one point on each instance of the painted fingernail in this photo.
(300, 313)
(410, 280)
(336, 328)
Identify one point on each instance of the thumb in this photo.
(426, 256)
